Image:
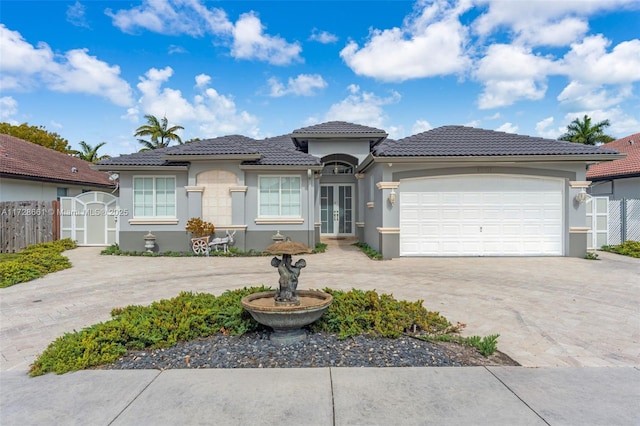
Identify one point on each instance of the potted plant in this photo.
(201, 232)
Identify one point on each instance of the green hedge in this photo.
(189, 316)
(159, 325)
(34, 262)
(628, 248)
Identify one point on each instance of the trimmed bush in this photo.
(35, 261)
(358, 312)
(159, 325)
(628, 248)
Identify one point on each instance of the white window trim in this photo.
(260, 215)
(133, 201)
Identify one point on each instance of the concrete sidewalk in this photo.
(326, 396)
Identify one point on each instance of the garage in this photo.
(481, 215)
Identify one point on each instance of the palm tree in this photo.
(90, 153)
(160, 135)
(586, 133)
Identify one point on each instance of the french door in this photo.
(336, 210)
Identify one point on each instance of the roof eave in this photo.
(612, 177)
(279, 167)
(500, 158)
(117, 167)
(52, 180)
(205, 157)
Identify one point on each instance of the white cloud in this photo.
(542, 22)
(8, 108)
(302, 85)
(587, 96)
(421, 126)
(250, 42)
(361, 107)
(76, 15)
(82, 73)
(21, 61)
(24, 67)
(174, 48)
(508, 127)
(323, 37)
(622, 123)
(544, 129)
(209, 114)
(430, 43)
(202, 80)
(589, 61)
(190, 17)
(511, 73)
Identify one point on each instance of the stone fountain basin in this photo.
(287, 321)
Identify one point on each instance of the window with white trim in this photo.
(154, 196)
(279, 196)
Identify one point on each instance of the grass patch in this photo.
(35, 261)
(486, 345)
(628, 248)
(366, 249)
(189, 316)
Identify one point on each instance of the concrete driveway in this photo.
(548, 311)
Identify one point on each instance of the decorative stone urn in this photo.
(287, 310)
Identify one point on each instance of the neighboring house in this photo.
(31, 172)
(450, 191)
(620, 178)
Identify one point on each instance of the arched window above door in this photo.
(337, 168)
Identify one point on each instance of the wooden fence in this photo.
(28, 222)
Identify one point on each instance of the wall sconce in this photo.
(582, 196)
(392, 197)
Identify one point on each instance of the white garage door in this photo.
(481, 215)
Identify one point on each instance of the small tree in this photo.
(90, 153)
(159, 133)
(38, 135)
(582, 131)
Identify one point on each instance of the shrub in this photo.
(357, 312)
(199, 227)
(35, 261)
(366, 249)
(628, 248)
(161, 324)
(16, 271)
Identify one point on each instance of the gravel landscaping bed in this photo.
(255, 350)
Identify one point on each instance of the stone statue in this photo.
(288, 281)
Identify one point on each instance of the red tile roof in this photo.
(20, 159)
(625, 167)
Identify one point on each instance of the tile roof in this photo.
(628, 166)
(276, 151)
(452, 141)
(153, 157)
(225, 145)
(339, 127)
(280, 151)
(21, 159)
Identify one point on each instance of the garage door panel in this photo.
(483, 215)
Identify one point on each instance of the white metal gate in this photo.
(597, 222)
(91, 218)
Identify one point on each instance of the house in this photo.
(450, 191)
(32, 172)
(620, 178)
(32, 177)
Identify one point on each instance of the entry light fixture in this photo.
(392, 197)
(582, 196)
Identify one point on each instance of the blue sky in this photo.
(91, 70)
